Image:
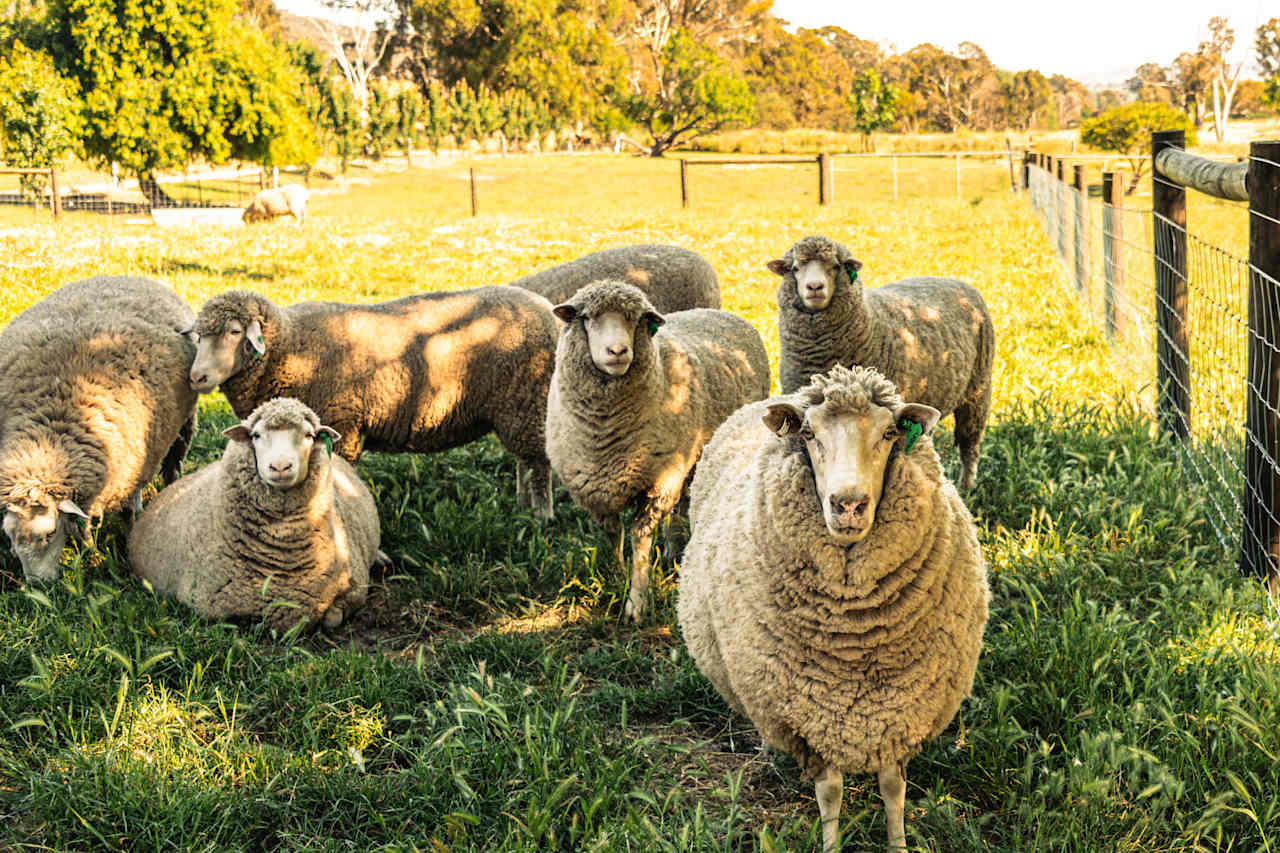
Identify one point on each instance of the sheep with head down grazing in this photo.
(833, 589)
(280, 529)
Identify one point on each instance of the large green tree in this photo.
(803, 71)
(1127, 130)
(694, 93)
(873, 104)
(39, 112)
(1028, 98)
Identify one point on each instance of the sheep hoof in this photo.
(381, 561)
(633, 610)
(333, 617)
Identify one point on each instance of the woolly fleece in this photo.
(673, 278)
(214, 538)
(419, 374)
(94, 394)
(847, 657)
(931, 337)
(289, 200)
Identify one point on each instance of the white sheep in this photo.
(833, 589)
(289, 200)
(931, 337)
(280, 529)
(93, 400)
(633, 399)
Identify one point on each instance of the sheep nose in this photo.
(198, 377)
(618, 350)
(849, 504)
(813, 286)
(281, 466)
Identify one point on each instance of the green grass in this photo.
(491, 697)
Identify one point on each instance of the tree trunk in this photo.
(155, 194)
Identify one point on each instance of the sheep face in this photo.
(611, 329)
(849, 440)
(222, 353)
(37, 527)
(281, 445)
(818, 267)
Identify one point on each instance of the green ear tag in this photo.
(913, 431)
(653, 327)
(852, 271)
(328, 443)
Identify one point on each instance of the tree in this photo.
(1223, 77)
(1190, 83)
(1266, 47)
(258, 100)
(408, 110)
(1127, 129)
(1028, 96)
(694, 93)
(380, 122)
(1070, 98)
(1151, 84)
(343, 116)
(358, 46)
(39, 113)
(872, 103)
(803, 71)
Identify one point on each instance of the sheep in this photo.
(932, 337)
(633, 399)
(423, 373)
(277, 530)
(833, 589)
(289, 200)
(673, 278)
(93, 399)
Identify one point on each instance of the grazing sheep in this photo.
(633, 401)
(93, 399)
(277, 530)
(833, 589)
(289, 200)
(422, 374)
(932, 337)
(673, 279)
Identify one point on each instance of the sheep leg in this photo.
(638, 594)
(893, 790)
(829, 789)
(540, 495)
(971, 423)
(522, 485)
(171, 467)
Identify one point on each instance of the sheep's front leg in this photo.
(638, 594)
(649, 515)
(893, 790)
(829, 789)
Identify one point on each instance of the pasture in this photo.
(490, 695)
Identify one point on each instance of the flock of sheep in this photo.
(832, 589)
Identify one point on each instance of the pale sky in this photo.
(1092, 41)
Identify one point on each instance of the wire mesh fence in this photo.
(1186, 317)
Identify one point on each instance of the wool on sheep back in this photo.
(672, 277)
(849, 657)
(230, 547)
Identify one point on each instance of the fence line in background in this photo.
(224, 188)
(1202, 324)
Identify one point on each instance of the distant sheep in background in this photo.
(277, 530)
(289, 200)
(932, 337)
(673, 278)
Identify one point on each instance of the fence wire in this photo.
(1113, 258)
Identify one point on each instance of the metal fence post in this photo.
(1112, 252)
(1261, 500)
(1169, 239)
(1082, 231)
(684, 182)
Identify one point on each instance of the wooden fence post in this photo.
(1169, 239)
(1027, 159)
(825, 181)
(1013, 176)
(1058, 202)
(1113, 252)
(55, 200)
(1082, 232)
(1261, 501)
(474, 206)
(684, 182)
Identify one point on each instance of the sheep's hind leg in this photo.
(171, 467)
(893, 790)
(829, 790)
(970, 425)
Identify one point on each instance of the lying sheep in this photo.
(673, 279)
(932, 337)
(833, 589)
(634, 398)
(93, 399)
(278, 530)
(422, 373)
(289, 200)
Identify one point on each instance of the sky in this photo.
(1093, 41)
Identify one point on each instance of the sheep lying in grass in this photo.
(93, 399)
(278, 530)
(833, 589)
(671, 277)
(422, 374)
(289, 200)
(634, 398)
(932, 337)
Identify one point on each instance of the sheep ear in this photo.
(926, 416)
(851, 267)
(778, 267)
(71, 508)
(239, 433)
(254, 334)
(329, 431)
(188, 330)
(783, 418)
(652, 320)
(566, 312)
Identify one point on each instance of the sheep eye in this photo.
(235, 331)
(257, 435)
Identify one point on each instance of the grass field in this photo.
(490, 696)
